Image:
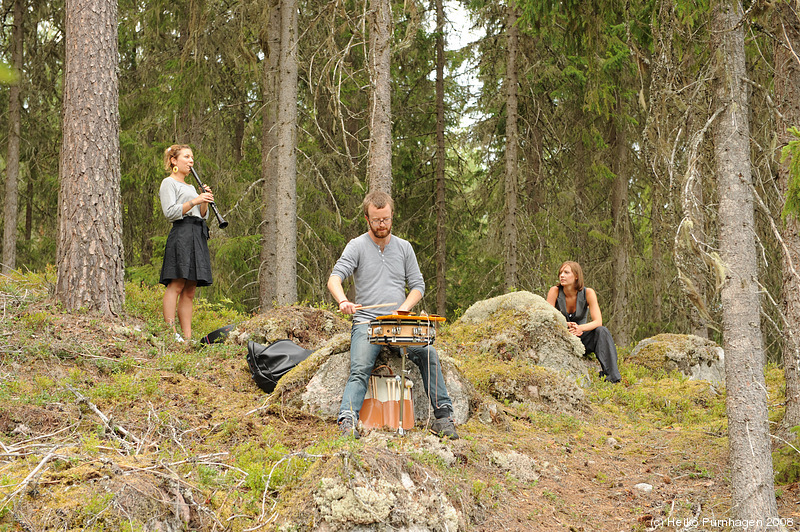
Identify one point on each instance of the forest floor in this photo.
(108, 424)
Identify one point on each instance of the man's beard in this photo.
(382, 232)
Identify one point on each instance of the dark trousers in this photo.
(600, 342)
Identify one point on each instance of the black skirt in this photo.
(186, 254)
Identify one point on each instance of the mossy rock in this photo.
(308, 327)
(695, 357)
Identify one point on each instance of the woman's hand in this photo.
(574, 328)
(207, 196)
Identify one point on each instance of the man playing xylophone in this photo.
(382, 265)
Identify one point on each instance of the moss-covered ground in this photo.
(108, 424)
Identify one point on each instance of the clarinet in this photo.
(222, 223)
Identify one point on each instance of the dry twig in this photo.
(113, 427)
(30, 478)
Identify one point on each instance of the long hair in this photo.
(576, 269)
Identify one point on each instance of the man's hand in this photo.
(348, 307)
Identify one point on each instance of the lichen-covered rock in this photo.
(527, 325)
(517, 348)
(693, 356)
(517, 464)
(382, 493)
(323, 393)
(306, 326)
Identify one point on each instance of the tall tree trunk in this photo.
(748, 429)
(271, 44)
(534, 184)
(787, 97)
(619, 214)
(441, 204)
(240, 121)
(89, 249)
(379, 164)
(286, 199)
(32, 174)
(11, 204)
(511, 159)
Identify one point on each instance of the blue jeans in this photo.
(362, 362)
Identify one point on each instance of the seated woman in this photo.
(573, 299)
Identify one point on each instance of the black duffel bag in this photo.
(270, 363)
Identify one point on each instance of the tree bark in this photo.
(32, 173)
(787, 98)
(619, 215)
(441, 158)
(379, 163)
(286, 199)
(271, 44)
(11, 204)
(748, 429)
(89, 249)
(511, 158)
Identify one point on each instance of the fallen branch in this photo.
(19, 446)
(30, 478)
(114, 428)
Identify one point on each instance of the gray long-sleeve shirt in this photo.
(173, 195)
(380, 277)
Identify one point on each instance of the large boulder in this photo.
(306, 326)
(695, 357)
(323, 393)
(511, 349)
(517, 349)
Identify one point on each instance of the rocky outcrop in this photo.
(516, 348)
(306, 326)
(533, 329)
(386, 494)
(695, 357)
(323, 393)
(511, 349)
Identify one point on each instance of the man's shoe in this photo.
(348, 428)
(444, 427)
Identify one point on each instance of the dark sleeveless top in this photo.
(581, 308)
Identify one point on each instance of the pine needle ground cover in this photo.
(107, 424)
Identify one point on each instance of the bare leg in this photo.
(185, 308)
(174, 289)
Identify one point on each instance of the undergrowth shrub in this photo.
(786, 460)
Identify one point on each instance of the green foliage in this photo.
(37, 321)
(666, 401)
(786, 460)
(125, 387)
(272, 466)
(791, 153)
(8, 75)
(555, 423)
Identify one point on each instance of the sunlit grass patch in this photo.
(146, 302)
(125, 387)
(555, 423)
(270, 469)
(663, 402)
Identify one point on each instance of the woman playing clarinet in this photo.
(187, 261)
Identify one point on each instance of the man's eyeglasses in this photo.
(380, 221)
